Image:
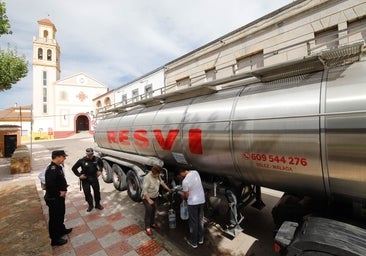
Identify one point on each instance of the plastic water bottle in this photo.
(184, 210)
(171, 218)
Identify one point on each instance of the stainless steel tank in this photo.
(303, 134)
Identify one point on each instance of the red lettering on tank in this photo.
(140, 138)
(123, 137)
(195, 141)
(111, 136)
(167, 143)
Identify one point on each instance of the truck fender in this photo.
(119, 178)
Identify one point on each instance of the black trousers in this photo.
(196, 223)
(56, 212)
(94, 183)
(149, 212)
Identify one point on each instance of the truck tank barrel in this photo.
(304, 134)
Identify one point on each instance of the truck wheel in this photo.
(107, 173)
(119, 178)
(134, 186)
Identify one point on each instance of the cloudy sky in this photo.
(116, 41)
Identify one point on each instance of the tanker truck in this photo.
(297, 127)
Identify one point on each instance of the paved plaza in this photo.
(118, 229)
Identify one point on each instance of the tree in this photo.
(12, 67)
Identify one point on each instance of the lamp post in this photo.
(21, 119)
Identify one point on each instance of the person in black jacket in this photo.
(56, 188)
(91, 169)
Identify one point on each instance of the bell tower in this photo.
(46, 71)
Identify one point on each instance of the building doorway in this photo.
(10, 144)
(82, 123)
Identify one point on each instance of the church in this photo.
(61, 106)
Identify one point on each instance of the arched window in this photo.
(99, 104)
(40, 53)
(49, 54)
(107, 101)
(45, 33)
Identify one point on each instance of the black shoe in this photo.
(194, 246)
(67, 231)
(90, 208)
(99, 206)
(59, 241)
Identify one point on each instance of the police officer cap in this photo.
(89, 151)
(58, 153)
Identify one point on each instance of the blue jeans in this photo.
(196, 222)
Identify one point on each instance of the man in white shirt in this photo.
(193, 192)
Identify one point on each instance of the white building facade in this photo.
(60, 107)
(298, 30)
(139, 90)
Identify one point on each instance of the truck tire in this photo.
(119, 178)
(107, 173)
(134, 186)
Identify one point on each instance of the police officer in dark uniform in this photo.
(91, 169)
(56, 188)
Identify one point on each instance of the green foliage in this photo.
(4, 21)
(12, 67)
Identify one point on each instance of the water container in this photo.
(171, 218)
(184, 210)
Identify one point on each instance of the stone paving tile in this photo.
(71, 215)
(92, 216)
(118, 225)
(74, 222)
(100, 253)
(62, 250)
(82, 239)
(77, 230)
(138, 239)
(150, 247)
(119, 248)
(110, 239)
(76, 200)
(81, 206)
(130, 231)
(131, 253)
(88, 248)
(115, 216)
(97, 223)
(102, 231)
